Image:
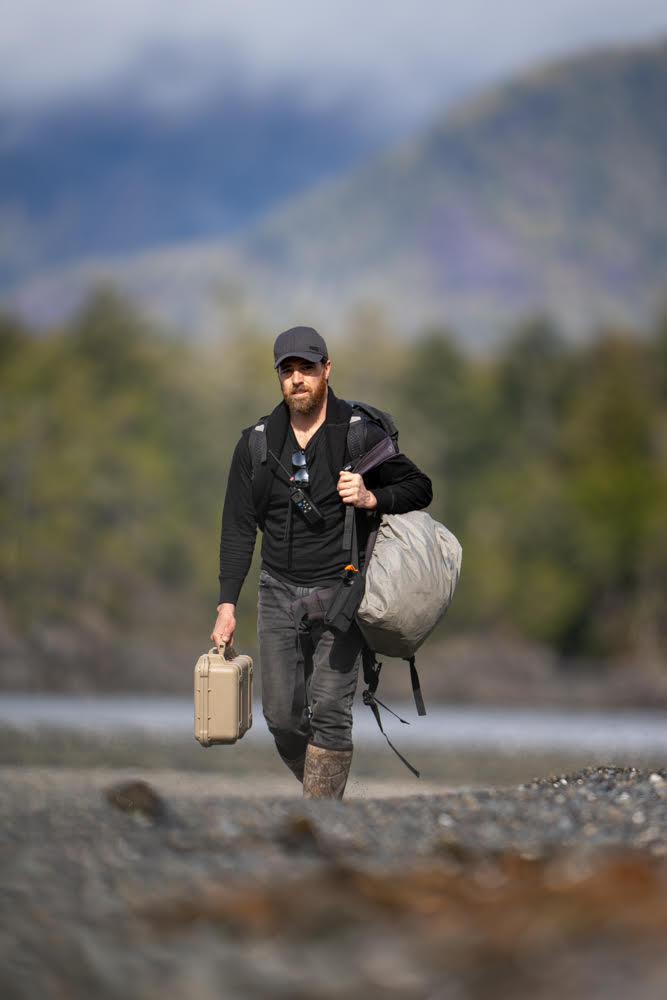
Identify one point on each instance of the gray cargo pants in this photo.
(309, 675)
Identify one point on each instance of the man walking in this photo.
(290, 476)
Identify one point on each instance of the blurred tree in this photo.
(102, 471)
(549, 461)
(615, 477)
(13, 336)
(549, 465)
(530, 377)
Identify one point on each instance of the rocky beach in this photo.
(120, 883)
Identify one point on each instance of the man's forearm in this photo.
(410, 491)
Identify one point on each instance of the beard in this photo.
(309, 399)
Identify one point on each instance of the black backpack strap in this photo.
(260, 471)
(416, 689)
(373, 702)
(371, 667)
(371, 677)
(350, 534)
(362, 461)
(381, 417)
(357, 434)
(259, 448)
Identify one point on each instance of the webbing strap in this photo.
(356, 446)
(371, 667)
(349, 534)
(373, 702)
(416, 689)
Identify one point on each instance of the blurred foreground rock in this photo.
(553, 888)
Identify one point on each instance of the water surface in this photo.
(464, 727)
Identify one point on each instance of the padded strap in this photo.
(258, 446)
(356, 436)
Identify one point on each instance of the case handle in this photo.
(219, 649)
(222, 648)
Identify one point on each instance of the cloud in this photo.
(395, 59)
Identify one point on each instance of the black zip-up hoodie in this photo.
(291, 549)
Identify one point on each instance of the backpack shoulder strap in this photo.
(258, 446)
(357, 434)
(357, 445)
(380, 417)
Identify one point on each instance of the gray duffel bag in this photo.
(411, 577)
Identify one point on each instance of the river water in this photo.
(461, 727)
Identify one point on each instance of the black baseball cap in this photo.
(299, 342)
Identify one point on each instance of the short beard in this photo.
(307, 404)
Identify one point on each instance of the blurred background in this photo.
(471, 207)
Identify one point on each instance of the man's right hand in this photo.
(225, 625)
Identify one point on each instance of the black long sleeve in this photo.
(397, 484)
(239, 527)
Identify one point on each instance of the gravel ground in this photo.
(114, 886)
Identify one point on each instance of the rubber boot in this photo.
(325, 773)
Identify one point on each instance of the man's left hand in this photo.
(351, 489)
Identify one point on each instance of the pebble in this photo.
(96, 866)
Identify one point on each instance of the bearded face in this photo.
(302, 391)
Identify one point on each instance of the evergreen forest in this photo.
(548, 458)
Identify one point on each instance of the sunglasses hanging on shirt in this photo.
(299, 462)
(305, 506)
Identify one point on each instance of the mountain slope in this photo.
(106, 177)
(549, 193)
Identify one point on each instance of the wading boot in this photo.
(325, 773)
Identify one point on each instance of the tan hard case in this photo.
(223, 697)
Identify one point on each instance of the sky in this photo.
(401, 60)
